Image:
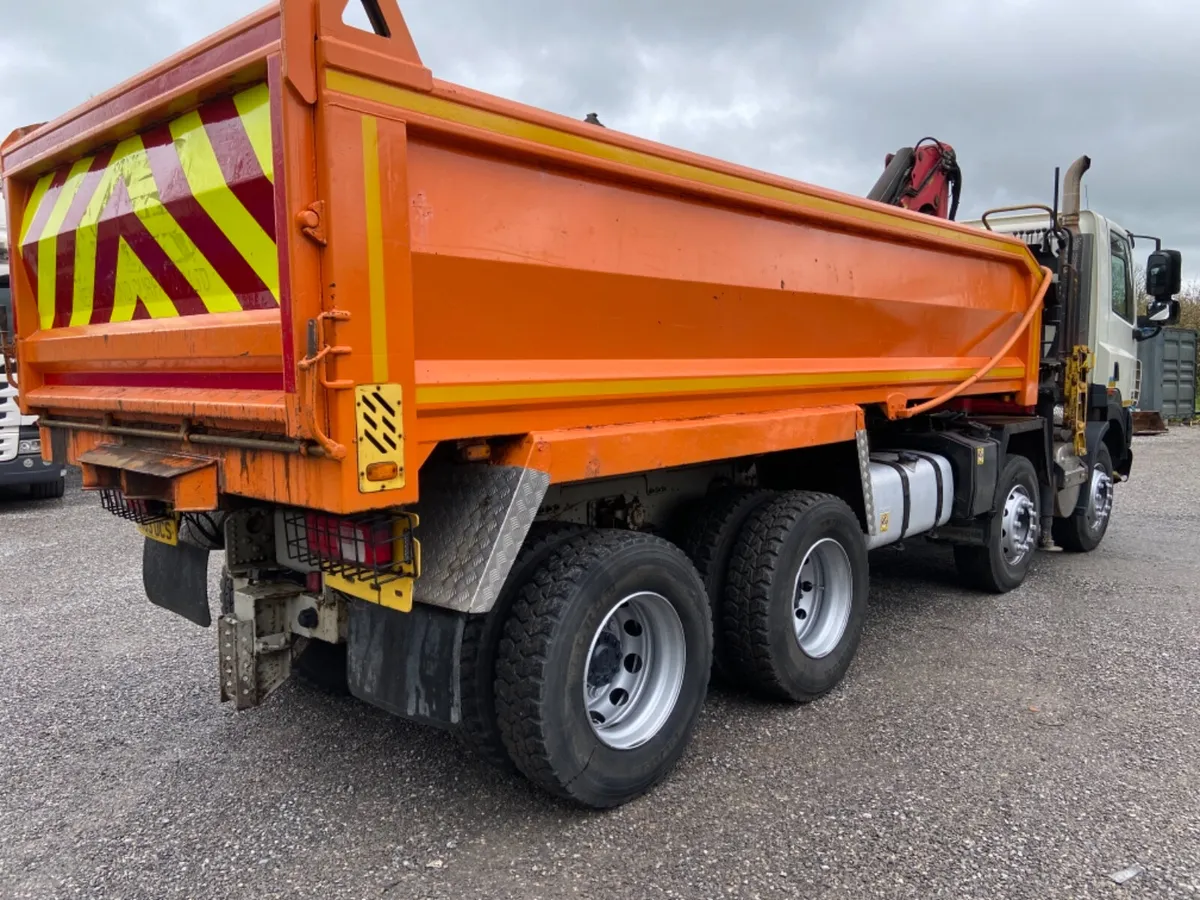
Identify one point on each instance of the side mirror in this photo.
(1161, 312)
(1164, 274)
(1166, 313)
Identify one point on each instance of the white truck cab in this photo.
(1090, 331)
(1106, 262)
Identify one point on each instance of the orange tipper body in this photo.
(288, 263)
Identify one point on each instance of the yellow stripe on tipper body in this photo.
(134, 282)
(508, 126)
(131, 165)
(86, 239)
(36, 196)
(254, 109)
(207, 183)
(633, 387)
(48, 242)
(378, 304)
(86, 233)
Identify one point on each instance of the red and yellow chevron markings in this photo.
(178, 221)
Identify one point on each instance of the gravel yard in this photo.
(1030, 745)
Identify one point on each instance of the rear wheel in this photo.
(323, 665)
(1010, 535)
(1083, 530)
(603, 667)
(481, 637)
(796, 596)
(709, 542)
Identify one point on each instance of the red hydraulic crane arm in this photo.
(925, 178)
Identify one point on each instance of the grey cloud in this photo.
(818, 91)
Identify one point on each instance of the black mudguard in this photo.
(176, 578)
(406, 663)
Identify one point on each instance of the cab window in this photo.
(1122, 279)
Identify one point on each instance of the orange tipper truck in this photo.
(523, 426)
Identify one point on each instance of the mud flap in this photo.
(176, 578)
(406, 663)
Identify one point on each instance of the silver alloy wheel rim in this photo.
(822, 597)
(1018, 525)
(1100, 499)
(634, 670)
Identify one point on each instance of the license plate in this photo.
(165, 531)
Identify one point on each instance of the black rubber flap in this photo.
(176, 578)
(406, 663)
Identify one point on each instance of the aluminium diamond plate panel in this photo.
(474, 519)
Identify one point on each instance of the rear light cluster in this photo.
(335, 538)
(375, 548)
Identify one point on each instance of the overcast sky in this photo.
(818, 91)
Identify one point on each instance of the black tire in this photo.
(709, 542)
(543, 661)
(320, 664)
(48, 490)
(481, 638)
(758, 615)
(987, 568)
(1075, 533)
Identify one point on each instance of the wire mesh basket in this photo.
(376, 547)
(143, 512)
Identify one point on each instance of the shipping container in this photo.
(1168, 376)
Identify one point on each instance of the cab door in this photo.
(1116, 314)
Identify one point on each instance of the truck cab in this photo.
(21, 462)
(1091, 325)
(1106, 270)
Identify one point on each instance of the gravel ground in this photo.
(1023, 746)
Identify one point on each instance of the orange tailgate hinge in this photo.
(310, 219)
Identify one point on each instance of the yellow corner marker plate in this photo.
(395, 594)
(165, 531)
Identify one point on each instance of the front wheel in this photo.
(603, 667)
(48, 490)
(1010, 535)
(1083, 530)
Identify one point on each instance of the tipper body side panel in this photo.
(291, 250)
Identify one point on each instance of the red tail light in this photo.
(333, 538)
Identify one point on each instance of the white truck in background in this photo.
(21, 460)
